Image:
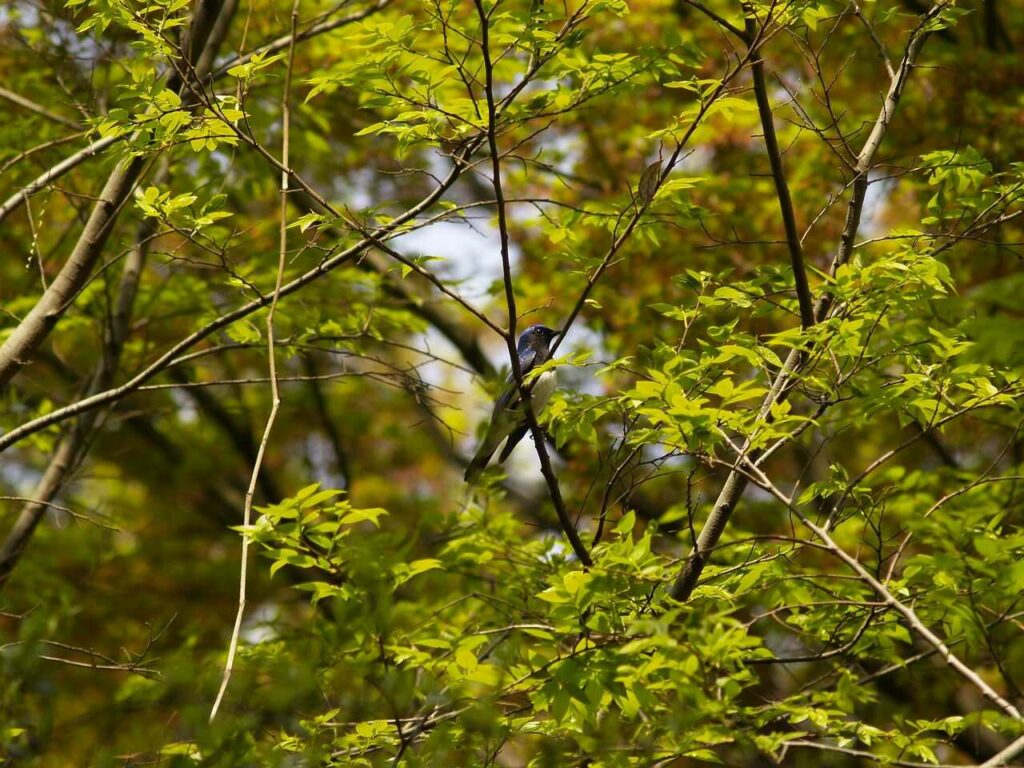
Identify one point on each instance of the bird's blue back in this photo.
(528, 359)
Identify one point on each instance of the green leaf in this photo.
(362, 515)
(417, 567)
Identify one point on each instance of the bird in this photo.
(507, 419)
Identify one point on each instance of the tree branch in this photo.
(31, 106)
(736, 482)
(510, 300)
(223, 321)
(19, 348)
(1012, 752)
(719, 20)
(239, 435)
(764, 108)
(205, 60)
(435, 315)
(275, 392)
(910, 617)
(72, 447)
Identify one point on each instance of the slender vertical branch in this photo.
(764, 108)
(510, 336)
(239, 435)
(736, 482)
(499, 196)
(275, 394)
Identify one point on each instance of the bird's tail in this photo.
(483, 455)
(477, 465)
(513, 440)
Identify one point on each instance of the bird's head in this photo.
(536, 337)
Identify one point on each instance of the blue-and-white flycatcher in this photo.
(508, 419)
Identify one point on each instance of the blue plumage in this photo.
(507, 419)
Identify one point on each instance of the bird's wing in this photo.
(513, 440)
(510, 394)
(527, 360)
(541, 393)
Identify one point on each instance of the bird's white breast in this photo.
(542, 390)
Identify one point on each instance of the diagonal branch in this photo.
(434, 314)
(282, 43)
(910, 617)
(764, 108)
(223, 321)
(15, 201)
(736, 481)
(1012, 752)
(31, 106)
(510, 335)
(719, 20)
(20, 346)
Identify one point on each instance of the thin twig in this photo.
(720, 20)
(510, 335)
(882, 53)
(735, 483)
(764, 108)
(30, 105)
(274, 389)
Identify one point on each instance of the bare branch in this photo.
(736, 482)
(30, 105)
(510, 335)
(764, 108)
(719, 20)
(275, 402)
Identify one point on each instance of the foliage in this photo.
(266, 265)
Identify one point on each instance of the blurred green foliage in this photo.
(395, 616)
